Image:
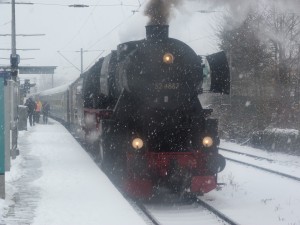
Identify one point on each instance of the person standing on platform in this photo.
(45, 110)
(38, 110)
(30, 108)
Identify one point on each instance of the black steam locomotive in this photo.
(140, 110)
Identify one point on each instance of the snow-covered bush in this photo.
(275, 139)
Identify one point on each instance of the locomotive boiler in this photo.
(142, 112)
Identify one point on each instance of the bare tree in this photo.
(264, 55)
(282, 30)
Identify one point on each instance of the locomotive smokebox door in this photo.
(218, 74)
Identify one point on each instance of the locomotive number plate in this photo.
(167, 86)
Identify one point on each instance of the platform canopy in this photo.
(34, 69)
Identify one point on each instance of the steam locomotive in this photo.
(138, 108)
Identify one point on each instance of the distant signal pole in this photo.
(81, 58)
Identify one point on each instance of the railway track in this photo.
(198, 211)
(193, 212)
(246, 154)
(143, 212)
(256, 166)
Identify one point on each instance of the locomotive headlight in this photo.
(168, 58)
(137, 143)
(207, 141)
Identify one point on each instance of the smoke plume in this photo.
(159, 11)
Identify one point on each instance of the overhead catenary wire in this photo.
(68, 61)
(21, 49)
(22, 35)
(6, 23)
(79, 30)
(71, 5)
(137, 5)
(114, 28)
(102, 37)
(91, 13)
(109, 32)
(95, 60)
(81, 27)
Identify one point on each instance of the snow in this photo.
(281, 158)
(61, 182)
(254, 197)
(179, 214)
(54, 181)
(282, 131)
(251, 196)
(288, 164)
(56, 90)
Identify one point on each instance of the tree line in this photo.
(264, 59)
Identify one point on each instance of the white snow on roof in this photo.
(55, 90)
(282, 131)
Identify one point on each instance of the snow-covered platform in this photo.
(54, 181)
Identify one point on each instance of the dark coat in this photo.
(31, 105)
(46, 108)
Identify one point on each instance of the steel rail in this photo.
(216, 212)
(138, 205)
(246, 154)
(264, 169)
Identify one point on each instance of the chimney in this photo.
(157, 32)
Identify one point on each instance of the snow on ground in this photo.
(54, 181)
(280, 159)
(263, 153)
(183, 214)
(251, 196)
(283, 163)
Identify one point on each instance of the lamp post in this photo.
(14, 58)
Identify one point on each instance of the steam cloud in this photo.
(160, 11)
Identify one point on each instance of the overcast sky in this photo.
(101, 26)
